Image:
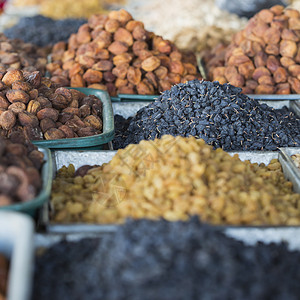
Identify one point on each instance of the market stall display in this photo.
(32, 105)
(263, 58)
(174, 178)
(43, 31)
(117, 54)
(219, 114)
(165, 260)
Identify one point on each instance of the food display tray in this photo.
(30, 207)
(61, 158)
(17, 244)
(97, 140)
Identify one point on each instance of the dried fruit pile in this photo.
(264, 58)
(167, 261)
(3, 276)
(20, 166)
(43, 31)
(16, 54)
(296, 159)
(32, 105)
(219, 114)
(116, 53)
(174, 178)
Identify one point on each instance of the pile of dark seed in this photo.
(121, 125)
(219, 114)
(167, 261)
(43, 31)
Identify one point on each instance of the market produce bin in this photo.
(96, 141)
(31, 206)
(61, 158)
(16, 243)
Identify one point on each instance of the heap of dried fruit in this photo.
(33, 105)
(20, 166)
(15, 54)
(3, 276)
(296, 159)
(219, 114)
(264, 58)
(174, 178)
(117, 54)
(167, 261)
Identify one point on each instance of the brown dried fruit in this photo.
(288, 48)
(112, 25)
(93, 122)
(237, 60)
(77, 81)
(3, 102)
(120, 71)
(131, 25)
(288, 34)
(295, 84)
(265, 80)
(69, 133)
(27, 119)
(264, 89)
(176, 67)
(283, 88)
(286, 61)
(272, 49)
(266, 15)
(118, 48)
(109, 76)
(46, 124)
(92, 76)
(164, 85)
(261, 71)
(134, 75)
(124, 36)
(272, 63)
(122, 58)
(44, 102)
(260, 59)
(294, 70)
(294, 24)
(144, 54)
(103, 65)
(21, 85)
(17, 107)
(120, 82)
(139, 33)
(272, 36)
(84, 110)
(83, 36)
(126, 89)
(49, 113)
(246, 69)
(7, 120)
(86, 131)
(145, 88)
(34, 78)
(151, 63)
(54, 134)
(17, 96)
(280, 75)
(12, 76)
(33, 107)
(161, 72)
(138, 46)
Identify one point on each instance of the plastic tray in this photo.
(16, 243)
(88, 141)
(133, 98)
(31, 206)
(78, 159)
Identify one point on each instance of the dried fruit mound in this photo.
(20, 166)
(31, 105)
(167, 261)
(174, 178)
(117, 54)
(219, 114)
(15, 54)
(43, 31)
(264, 58)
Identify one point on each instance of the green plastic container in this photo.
(133, 98)
(88, 142)
(31, 206)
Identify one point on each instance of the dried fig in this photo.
(54, 134)
(27, 119)
(49, 113)
(7, 120)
